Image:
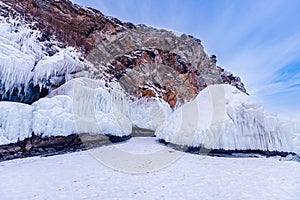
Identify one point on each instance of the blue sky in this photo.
(259, 40)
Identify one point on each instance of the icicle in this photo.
(24, 62)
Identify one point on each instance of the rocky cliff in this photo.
(146, 61)
(90, 80)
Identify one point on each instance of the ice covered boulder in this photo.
(15, 122)
(222, 117)
(149, 113)
(53, 116)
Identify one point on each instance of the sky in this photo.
(258, 40)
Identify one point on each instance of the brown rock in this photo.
(138, 56)
(148, 93)
(71, 24)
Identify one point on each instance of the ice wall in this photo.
(222, 117)
(81, 105)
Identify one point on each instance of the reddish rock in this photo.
(148, 93)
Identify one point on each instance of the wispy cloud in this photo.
(267, 62)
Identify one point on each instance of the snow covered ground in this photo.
(82, 176)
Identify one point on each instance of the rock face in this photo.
(35, 146)
(230, 79)
(124, 76)
(69, 23)
(146, 61)
(54, 145)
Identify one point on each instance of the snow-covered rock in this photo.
(222, 117)
(26, 62)
(60, 64)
